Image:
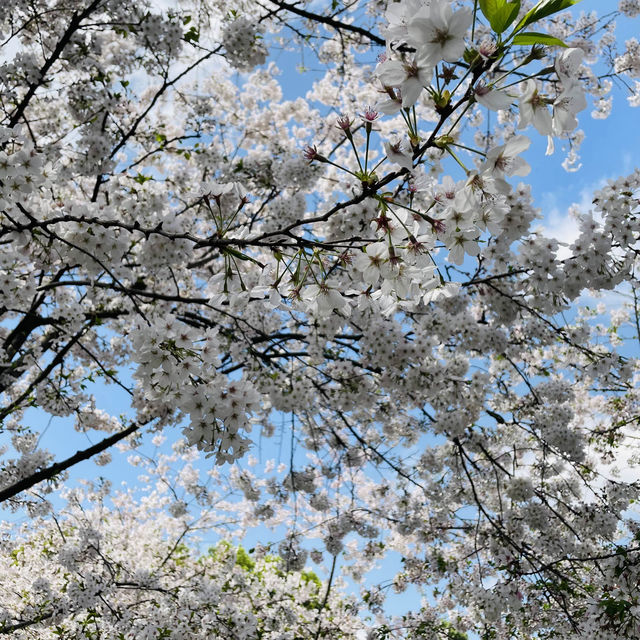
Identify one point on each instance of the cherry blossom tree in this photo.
(360, 264)
(123, 570)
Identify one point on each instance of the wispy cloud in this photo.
(562, 214)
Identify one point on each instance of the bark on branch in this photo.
(59, 467)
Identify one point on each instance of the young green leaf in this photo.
(531, 37)
(193, 35)
(543, 9)
(500, 13)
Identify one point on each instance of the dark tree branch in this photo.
(59, 467)
(76, 19)
(330, 22)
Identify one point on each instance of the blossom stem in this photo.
(407, 118)
(473, 24)
(457, 120)
(462, 146)
(395, 215)
(366, 151)
(455, 157)
(462, 79)
(506, 75)
(424, 216)
(378, 164)
(355, 150)
(520, 80)
(339, 166)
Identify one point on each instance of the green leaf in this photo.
(193, 35)
(141, 179)
(237, 254)
(543, 9)
(500, 13)
(531, 37)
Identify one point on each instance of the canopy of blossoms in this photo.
(360, 263)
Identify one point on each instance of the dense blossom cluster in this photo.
(166, 365)
(125, 571)
(243, 45)
(355, 272)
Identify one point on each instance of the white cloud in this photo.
(564, 228)
(562, 222)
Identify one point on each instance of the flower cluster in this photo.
(243, 44)
(178, 369)
(132, 576)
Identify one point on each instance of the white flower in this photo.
(215, 189)
(460, 215)
(505, 161)
(479, 189)
(392, 104)
(567, 66)
(243, 44)
(533, 110)
(492, 216)
(460, 243)
(398, 15)
(440, 35)
(409, 77)
(371, 262)
(630, 8)
(399, 153)
(491, 98)
(447, 290)
(322, 300)
(446, 192)
(565, 107)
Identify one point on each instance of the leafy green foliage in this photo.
(192, 35)
(532, 37)
(310, 576)
(543, 9)
(243, 560)
(500, 13)
(141, 178)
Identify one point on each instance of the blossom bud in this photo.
(369, 116)
(311, 154)
(343, 122)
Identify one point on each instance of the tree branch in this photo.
(59, 467)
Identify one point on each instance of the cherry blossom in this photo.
(533, 109)
(439, 35)
(410, 77)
